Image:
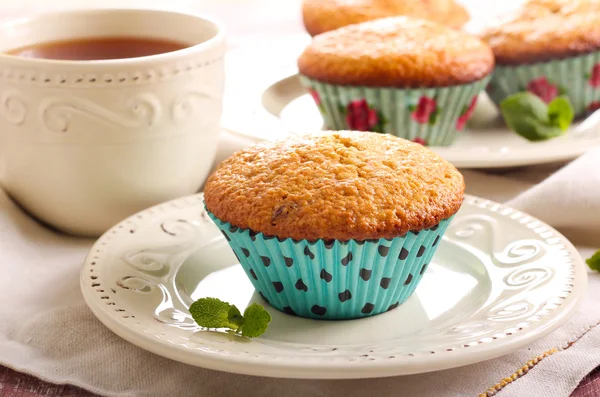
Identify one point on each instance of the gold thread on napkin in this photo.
(492, 391)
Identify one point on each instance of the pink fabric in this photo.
(14, 384)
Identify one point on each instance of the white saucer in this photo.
(499, 281)
(267, 102)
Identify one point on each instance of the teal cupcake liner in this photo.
(430, 116)
(576, 77)
(332, 279)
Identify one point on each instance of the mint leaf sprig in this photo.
(594, 261)
(214, 313)
(533, 119)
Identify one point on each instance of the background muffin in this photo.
(334, 225)
(550, 48)
(324, 15)
(409, 77)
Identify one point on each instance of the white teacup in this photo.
(84, 144)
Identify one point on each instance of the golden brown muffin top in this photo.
(396, 52)
(324, 15)
(335, 185)
(543, 30)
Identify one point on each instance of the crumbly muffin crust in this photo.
(544, 30)
(335, 185)
(399, 52)
(321, 16)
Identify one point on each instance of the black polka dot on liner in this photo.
(289, 310)
(246, 252)
(344, 296)
(288, 261)
(253, 274)
(383, 250)
(424, 268)
(264, 298)
(308, 253)
(347, 259)
(392, 307)
(266, 260)
(252, 235)
(365, 274)
(434, 228)
(278, 286)
(268, 237)
(326, 276)
(421, 252)
(300, 286)
(408, 279)
(368, 308)
(226, 236)
(385, 282)
(329, 244)
(233, 229)
(436, 241)
(318, 310)
(403, 254)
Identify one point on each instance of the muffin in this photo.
(334, 225)
(550, 48)
(321, 16)
(409, 77)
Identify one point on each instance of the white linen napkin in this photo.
(46, 329)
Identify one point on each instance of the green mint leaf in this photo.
(594, 262)
(214, 313)
(211, 313)
(257, 320)
(560, 112)
(434, 116)
(527, 115)
(235, 317)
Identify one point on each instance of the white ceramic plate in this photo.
(266, 101)
(499, 281)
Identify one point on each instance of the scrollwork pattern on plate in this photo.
(13, 107)
(473, 329)
(529, 278)
(512, 311)
(147, 262)
(141, 111)
(519, 252)
(167, 313)
(136, 284)
(179, 227)
(474, 226)
(516, 305)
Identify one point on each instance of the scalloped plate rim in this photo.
(247, 365)
(262, 125)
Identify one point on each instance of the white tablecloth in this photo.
(46, 329)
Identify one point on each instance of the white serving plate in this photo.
(264, 100)
(499, 281)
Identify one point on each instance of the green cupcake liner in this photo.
(576, 77)
(431, 116)
(333, 279)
